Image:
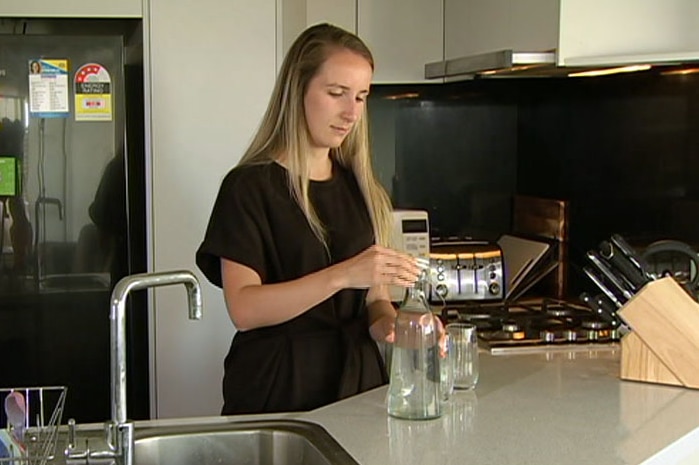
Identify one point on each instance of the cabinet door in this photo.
(341, 13)
(212, 72)
(403, 35)
(71, 8)
(479, 26)
(600, 32)
(293, 16)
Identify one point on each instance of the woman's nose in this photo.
(352, 110)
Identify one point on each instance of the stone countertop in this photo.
(557, 408)
(546, 408)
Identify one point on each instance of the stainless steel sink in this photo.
(276, 442)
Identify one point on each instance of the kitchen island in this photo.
(544, 408)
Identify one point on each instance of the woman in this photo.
(294, 238)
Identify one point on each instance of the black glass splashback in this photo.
(623, 150)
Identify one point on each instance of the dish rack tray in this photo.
(43, 410)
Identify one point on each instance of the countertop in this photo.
(553, 408)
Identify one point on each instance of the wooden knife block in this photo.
(663, 346)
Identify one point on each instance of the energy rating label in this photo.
(93, 93)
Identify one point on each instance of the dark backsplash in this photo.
(622, 150)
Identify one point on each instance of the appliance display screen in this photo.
(8, 176)
(414, 226)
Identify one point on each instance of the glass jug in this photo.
(414, 391)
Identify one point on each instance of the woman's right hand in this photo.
(378, 266)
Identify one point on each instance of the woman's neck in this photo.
(320, 166)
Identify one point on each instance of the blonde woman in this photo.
(298, 239)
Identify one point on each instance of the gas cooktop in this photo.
(535, 325)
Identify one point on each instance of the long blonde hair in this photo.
(284, 129)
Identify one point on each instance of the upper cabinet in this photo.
(474, 27)
(71, 8)
(341, 13)
(603, 32)
(581, 32)
(293, 16)
(403, 35)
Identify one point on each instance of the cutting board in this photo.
(664, 344)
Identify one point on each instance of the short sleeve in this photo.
(235, 229)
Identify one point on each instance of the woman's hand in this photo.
(379, 266)
(383, 329)
(442, 338)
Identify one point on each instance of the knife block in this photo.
(664, 344)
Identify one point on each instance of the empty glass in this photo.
(462, 353)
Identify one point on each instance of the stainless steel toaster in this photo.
(466, 270)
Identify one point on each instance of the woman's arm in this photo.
(252, 304)
(382, 314)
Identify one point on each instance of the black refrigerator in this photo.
(72, 204)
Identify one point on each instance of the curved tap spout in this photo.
(117, 318)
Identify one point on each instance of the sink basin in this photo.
(277, 442)
(76, 282)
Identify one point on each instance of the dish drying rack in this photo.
(43, 410)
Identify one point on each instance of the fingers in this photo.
(396, 268)
(378, 266)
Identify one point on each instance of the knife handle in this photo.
(635, 277)
(602, 287)
(601, 266)
(607, 307)
(592, 303)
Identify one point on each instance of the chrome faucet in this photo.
(120, 431)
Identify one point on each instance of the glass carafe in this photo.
(414, 389)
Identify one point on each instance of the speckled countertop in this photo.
(555, 408)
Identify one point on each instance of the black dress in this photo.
(324, 354)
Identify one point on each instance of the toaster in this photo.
(466, 271)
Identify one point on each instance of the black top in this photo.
(324, 354)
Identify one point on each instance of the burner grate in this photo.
(535, 322)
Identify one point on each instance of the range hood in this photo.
(565, 37)
(498, 63)
(509, 63)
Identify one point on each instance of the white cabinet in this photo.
(71, 8)
(600, 32)
(583, 32)
(478, 26)
(211, 75)
(293, 16)
(341, 13)
(403, 36)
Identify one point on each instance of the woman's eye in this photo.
(335, 93)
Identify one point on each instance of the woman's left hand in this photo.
(383, 329)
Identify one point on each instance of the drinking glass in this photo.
(463, 351)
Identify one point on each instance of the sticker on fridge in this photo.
(93, 93)
(48, 88)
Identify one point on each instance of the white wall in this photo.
(212, 67)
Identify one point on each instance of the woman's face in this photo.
(336, 97)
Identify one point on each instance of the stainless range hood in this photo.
(546, 38)
(499, 63)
